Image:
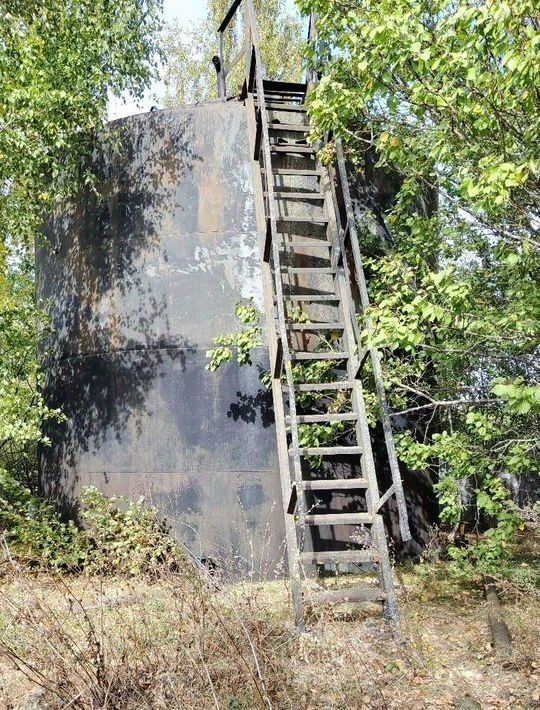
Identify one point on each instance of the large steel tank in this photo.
(139, 277)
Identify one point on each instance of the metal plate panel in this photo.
(139, 280)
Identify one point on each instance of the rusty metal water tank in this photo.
(139, 279)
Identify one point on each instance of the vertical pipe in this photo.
(248, 42)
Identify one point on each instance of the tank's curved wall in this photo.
(139, 281)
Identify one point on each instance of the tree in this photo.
(189, 73)
(445, 93)
(58, 61)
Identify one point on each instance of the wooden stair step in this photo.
(293, 127)
(300, 86)
(276, 97)
(274, 106)
(353, 556)
(319, 196)
(324, 386)
(287, 97)
(336, 484)
(309, 269)
(295, 171)
(278, 87)
(290, 141)
(328, 450)
(283, 96)
(315, 297)
(316, 326)
(318, 244)
(338, 519)
(308, 150)
(351, 594)
(329, 417)
(319, 356)
(306, 220)
(292, 95)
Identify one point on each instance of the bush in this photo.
(125, 537)
(118, 536)
(34, 531)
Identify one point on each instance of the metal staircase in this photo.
(329, 483)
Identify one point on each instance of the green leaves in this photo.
(58, 62)
(240, 343)
(125, 537)
(22, 409)
(119, 536)
(34, 530)
(445, 87)
(57, 66)
(518, 396)
(442, 97)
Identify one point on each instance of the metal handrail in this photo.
(224, 69)
(350, 233)
(230, 14)
(351, 229)
(311, 74)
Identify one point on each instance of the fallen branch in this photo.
(502, 640)
(121, 600)
(446, 403)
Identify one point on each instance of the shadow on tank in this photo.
(101, 359)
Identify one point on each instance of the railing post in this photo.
(281, 334)
(222, 77)
(312, 75)
(248, 44)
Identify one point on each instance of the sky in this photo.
(185, 11)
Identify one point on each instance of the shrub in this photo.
(118, 536)
(34, 531)
(125, 537)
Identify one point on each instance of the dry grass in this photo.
(182, 641)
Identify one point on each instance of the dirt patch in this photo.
(183, 642)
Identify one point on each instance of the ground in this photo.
(181, 641)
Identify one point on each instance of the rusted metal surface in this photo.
(139, 281)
